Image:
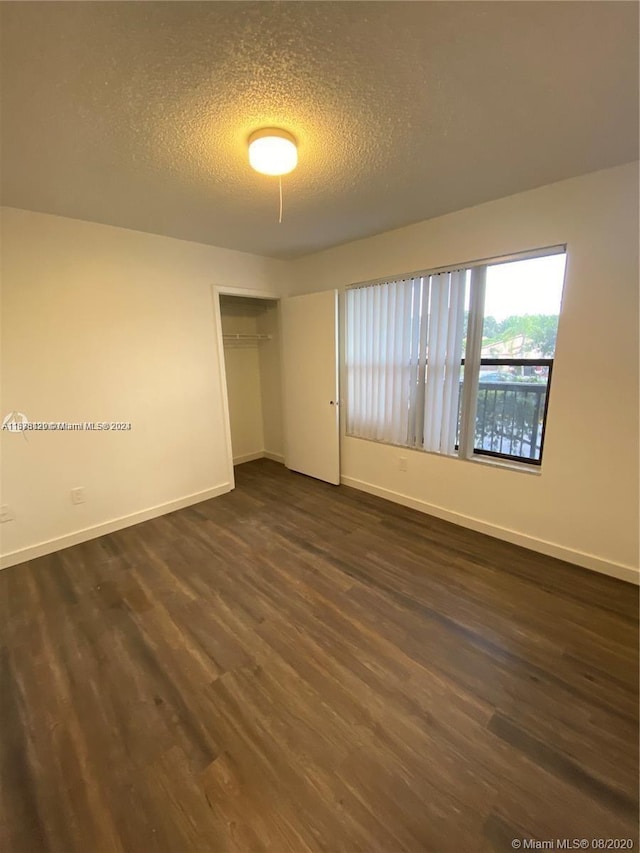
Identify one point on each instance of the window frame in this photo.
(472, 360)
(517, 362)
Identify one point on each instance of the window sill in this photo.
(489, 461)
(507, 464)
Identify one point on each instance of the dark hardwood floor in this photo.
(297, 667)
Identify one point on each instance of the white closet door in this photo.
(310, 380)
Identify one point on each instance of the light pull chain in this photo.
(280, 217)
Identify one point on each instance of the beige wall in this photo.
(584, 504)
(102, 323)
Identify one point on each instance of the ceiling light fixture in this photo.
(273, 151)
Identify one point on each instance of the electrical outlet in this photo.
(6, 513)
(77, 495)
(402, 463)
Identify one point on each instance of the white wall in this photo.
(584, 504)
(102, 323)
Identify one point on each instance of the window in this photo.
(456, 362)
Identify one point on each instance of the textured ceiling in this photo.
(137, 114)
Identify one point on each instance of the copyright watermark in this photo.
(18, 422)
(573, 844)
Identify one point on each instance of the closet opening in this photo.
(251, 339)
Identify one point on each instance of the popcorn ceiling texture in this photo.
(137, 114)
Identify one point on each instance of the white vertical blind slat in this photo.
(435, 340)
(422, 372)
(406, 361)
(414, 359)
(382, 358)
(376, 363)
(394, 367)
(368, 359)
(389, 374)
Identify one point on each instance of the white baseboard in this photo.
(260, 454)
(551, 549)
(248, 457)
(60, 542)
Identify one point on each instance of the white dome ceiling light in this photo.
(273, 151)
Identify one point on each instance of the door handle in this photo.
(333, 402)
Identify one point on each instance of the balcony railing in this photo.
(511, 411)
(510, 419)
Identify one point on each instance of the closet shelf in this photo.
(244, 340)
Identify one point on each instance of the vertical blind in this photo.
(404, 349)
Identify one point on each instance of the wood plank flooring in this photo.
(296, 667)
